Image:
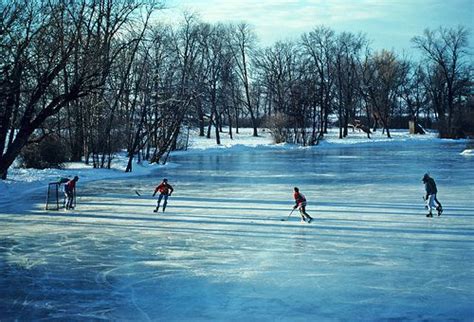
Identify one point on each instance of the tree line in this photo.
(94, 77)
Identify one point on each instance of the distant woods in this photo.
(98, 77)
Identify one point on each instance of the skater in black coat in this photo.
(430, 197)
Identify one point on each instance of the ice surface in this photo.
(221, 252)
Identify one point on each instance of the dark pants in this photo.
(437, 201)
(159, 201)
(303, 213)
(69, 199)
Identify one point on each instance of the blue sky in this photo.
(390, 24)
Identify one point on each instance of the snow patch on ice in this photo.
(468, 152)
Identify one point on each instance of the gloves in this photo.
(154, 194)
(295, 206)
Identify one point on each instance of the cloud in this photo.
(386, 21)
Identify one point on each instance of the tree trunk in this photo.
(21, 139)
(346, 122)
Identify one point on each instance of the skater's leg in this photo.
(439, 208)
(73, 195)
(302, 212)
(437, 201)
(165, 202)
(66, 200)
(69, 202)
(158, 202)
(303, 208)
(430, 205)
(300, 208)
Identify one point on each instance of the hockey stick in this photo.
(288, 215)
(139, 194)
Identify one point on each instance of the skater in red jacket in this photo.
(165, 190)
(69, 191)
(301, 205)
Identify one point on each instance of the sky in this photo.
(389, 24)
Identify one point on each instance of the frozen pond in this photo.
(221, 252)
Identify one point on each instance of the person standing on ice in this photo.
(300, 200)
(430, 198)
(165, 190)
(69, 191)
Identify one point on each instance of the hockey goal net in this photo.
(54, 197)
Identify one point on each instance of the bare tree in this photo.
(274, 65)
(446, 55)
(319, 48)
(347, 77)
(383, 77)
(216, 59)
(179, 87)
(414, 93)
(276, 75)
(242, 43)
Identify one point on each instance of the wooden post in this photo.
(411, 126)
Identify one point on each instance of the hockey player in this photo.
(430, 197)
(301, 205)
(165, 190)
(69, 190)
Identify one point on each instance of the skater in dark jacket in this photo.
(165, 190)
(300, 201)
(430, 197)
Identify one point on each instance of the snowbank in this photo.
(397, 136)
(468, 152)
(23, 182)
(244, 140)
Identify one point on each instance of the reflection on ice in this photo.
(221, 253)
